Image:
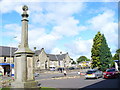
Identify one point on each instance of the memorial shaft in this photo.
(24, 61)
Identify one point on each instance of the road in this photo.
(55, 81)
(80, 83)
(53, 75)
(72, 80)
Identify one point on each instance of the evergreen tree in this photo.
(73, 62)
(96, 50)
(116, 56)
(101, 55)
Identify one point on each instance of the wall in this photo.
(42, 59)
(8, 60)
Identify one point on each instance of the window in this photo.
(5, 59)
(110, 70)
(13, 59)
(38, 63)
(38, 60)
(90, 72)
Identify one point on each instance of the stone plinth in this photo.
(29, 84)
(24, 72)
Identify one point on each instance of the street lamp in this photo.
(11, 56)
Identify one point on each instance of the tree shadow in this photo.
(104, 84)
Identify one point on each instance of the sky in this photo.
(60, 26)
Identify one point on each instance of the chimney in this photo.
(42, 48)
(60, 53)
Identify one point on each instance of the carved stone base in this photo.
(29, 84)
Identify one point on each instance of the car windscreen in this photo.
(110, 70)
(90, 72)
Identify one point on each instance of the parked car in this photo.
(93, 73)
(1, 74)
(52, 68)
(111, 73)
(82, 73)
(71, 68)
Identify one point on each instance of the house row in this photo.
(42, 60)
(6, 58)
(85, 64)
(48, 61)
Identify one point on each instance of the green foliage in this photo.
(116, 56)
(82, 58)
(47, 88)
(34, 48)
(73, 62)
(88, 60)
(118, 51)
(100, 53)
(5, 89)
(41, 88)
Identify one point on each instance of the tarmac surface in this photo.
(80, 82)
(71, 81)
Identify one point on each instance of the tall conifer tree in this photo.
(101, 55)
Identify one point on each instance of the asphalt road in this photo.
(52, 80)
(52, 75)
(80, 83)
(58, 80)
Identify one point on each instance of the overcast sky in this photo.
(60, 26)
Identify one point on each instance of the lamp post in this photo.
(11, 57)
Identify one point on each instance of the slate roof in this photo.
(5, 51)
(56, 57)
(37, 52)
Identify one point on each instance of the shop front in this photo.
(7, 69)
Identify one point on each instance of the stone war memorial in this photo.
(24, 65)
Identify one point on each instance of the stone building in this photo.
(6, 58)
(48, 61)
(42, 60)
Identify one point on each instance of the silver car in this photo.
(93, 73)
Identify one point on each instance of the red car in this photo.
(111, 73)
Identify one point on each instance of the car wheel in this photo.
(97, 77)
(103, 77)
